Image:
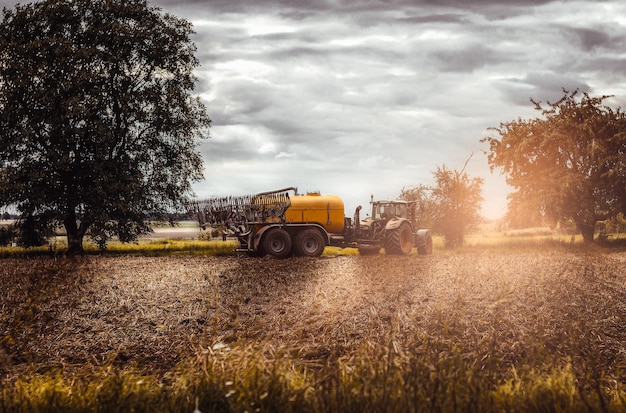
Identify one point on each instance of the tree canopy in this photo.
(568, 164)
(98, 124)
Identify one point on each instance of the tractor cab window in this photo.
(377, 213)
(401, 210)
(383, 211)
(390, 210)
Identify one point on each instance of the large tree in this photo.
(568, 164)
(98, 124)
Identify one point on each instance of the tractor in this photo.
(392, 225)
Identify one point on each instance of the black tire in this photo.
(399, 240)
(309, 243)
(424, 242)
(277, 243)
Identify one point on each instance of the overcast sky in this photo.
(366, 97)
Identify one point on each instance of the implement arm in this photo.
(239, 213)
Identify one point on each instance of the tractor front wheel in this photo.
(277, 243)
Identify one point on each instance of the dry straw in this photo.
(469, 332)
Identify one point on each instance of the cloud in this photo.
(354, 98)
(375, 95)
(465, 59)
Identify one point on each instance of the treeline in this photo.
(31, 232)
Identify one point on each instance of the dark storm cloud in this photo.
(433, 19)
(362, 12)
(612, 68)
(465, 59)
(591, 39)
(236, 149)
(541, 87)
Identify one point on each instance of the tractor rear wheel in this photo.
(277, 243)
(309, 243)
(399, 240)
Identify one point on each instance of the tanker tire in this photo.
(399, 240)
(277, 243)
(309, 243)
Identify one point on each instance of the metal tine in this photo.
(240, 209)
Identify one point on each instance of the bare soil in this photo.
(154, 313)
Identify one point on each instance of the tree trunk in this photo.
(74, 235)
(74, 245)
(587, 230)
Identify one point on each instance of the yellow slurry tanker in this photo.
(282, 223)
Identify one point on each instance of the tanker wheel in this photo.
(309, 243)
(277, 243)
(399, 240)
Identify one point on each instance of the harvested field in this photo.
(492, 312)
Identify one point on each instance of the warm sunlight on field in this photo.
(482, 318)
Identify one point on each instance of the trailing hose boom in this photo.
(236, 211)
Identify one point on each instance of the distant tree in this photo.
(569, 164)
(615, 224)
(458, 199)
(7, 234)
(33, 230)
(426, 208)
(98, 126)
(452, 206)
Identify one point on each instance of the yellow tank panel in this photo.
(326, 210)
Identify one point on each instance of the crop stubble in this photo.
(492, 309)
